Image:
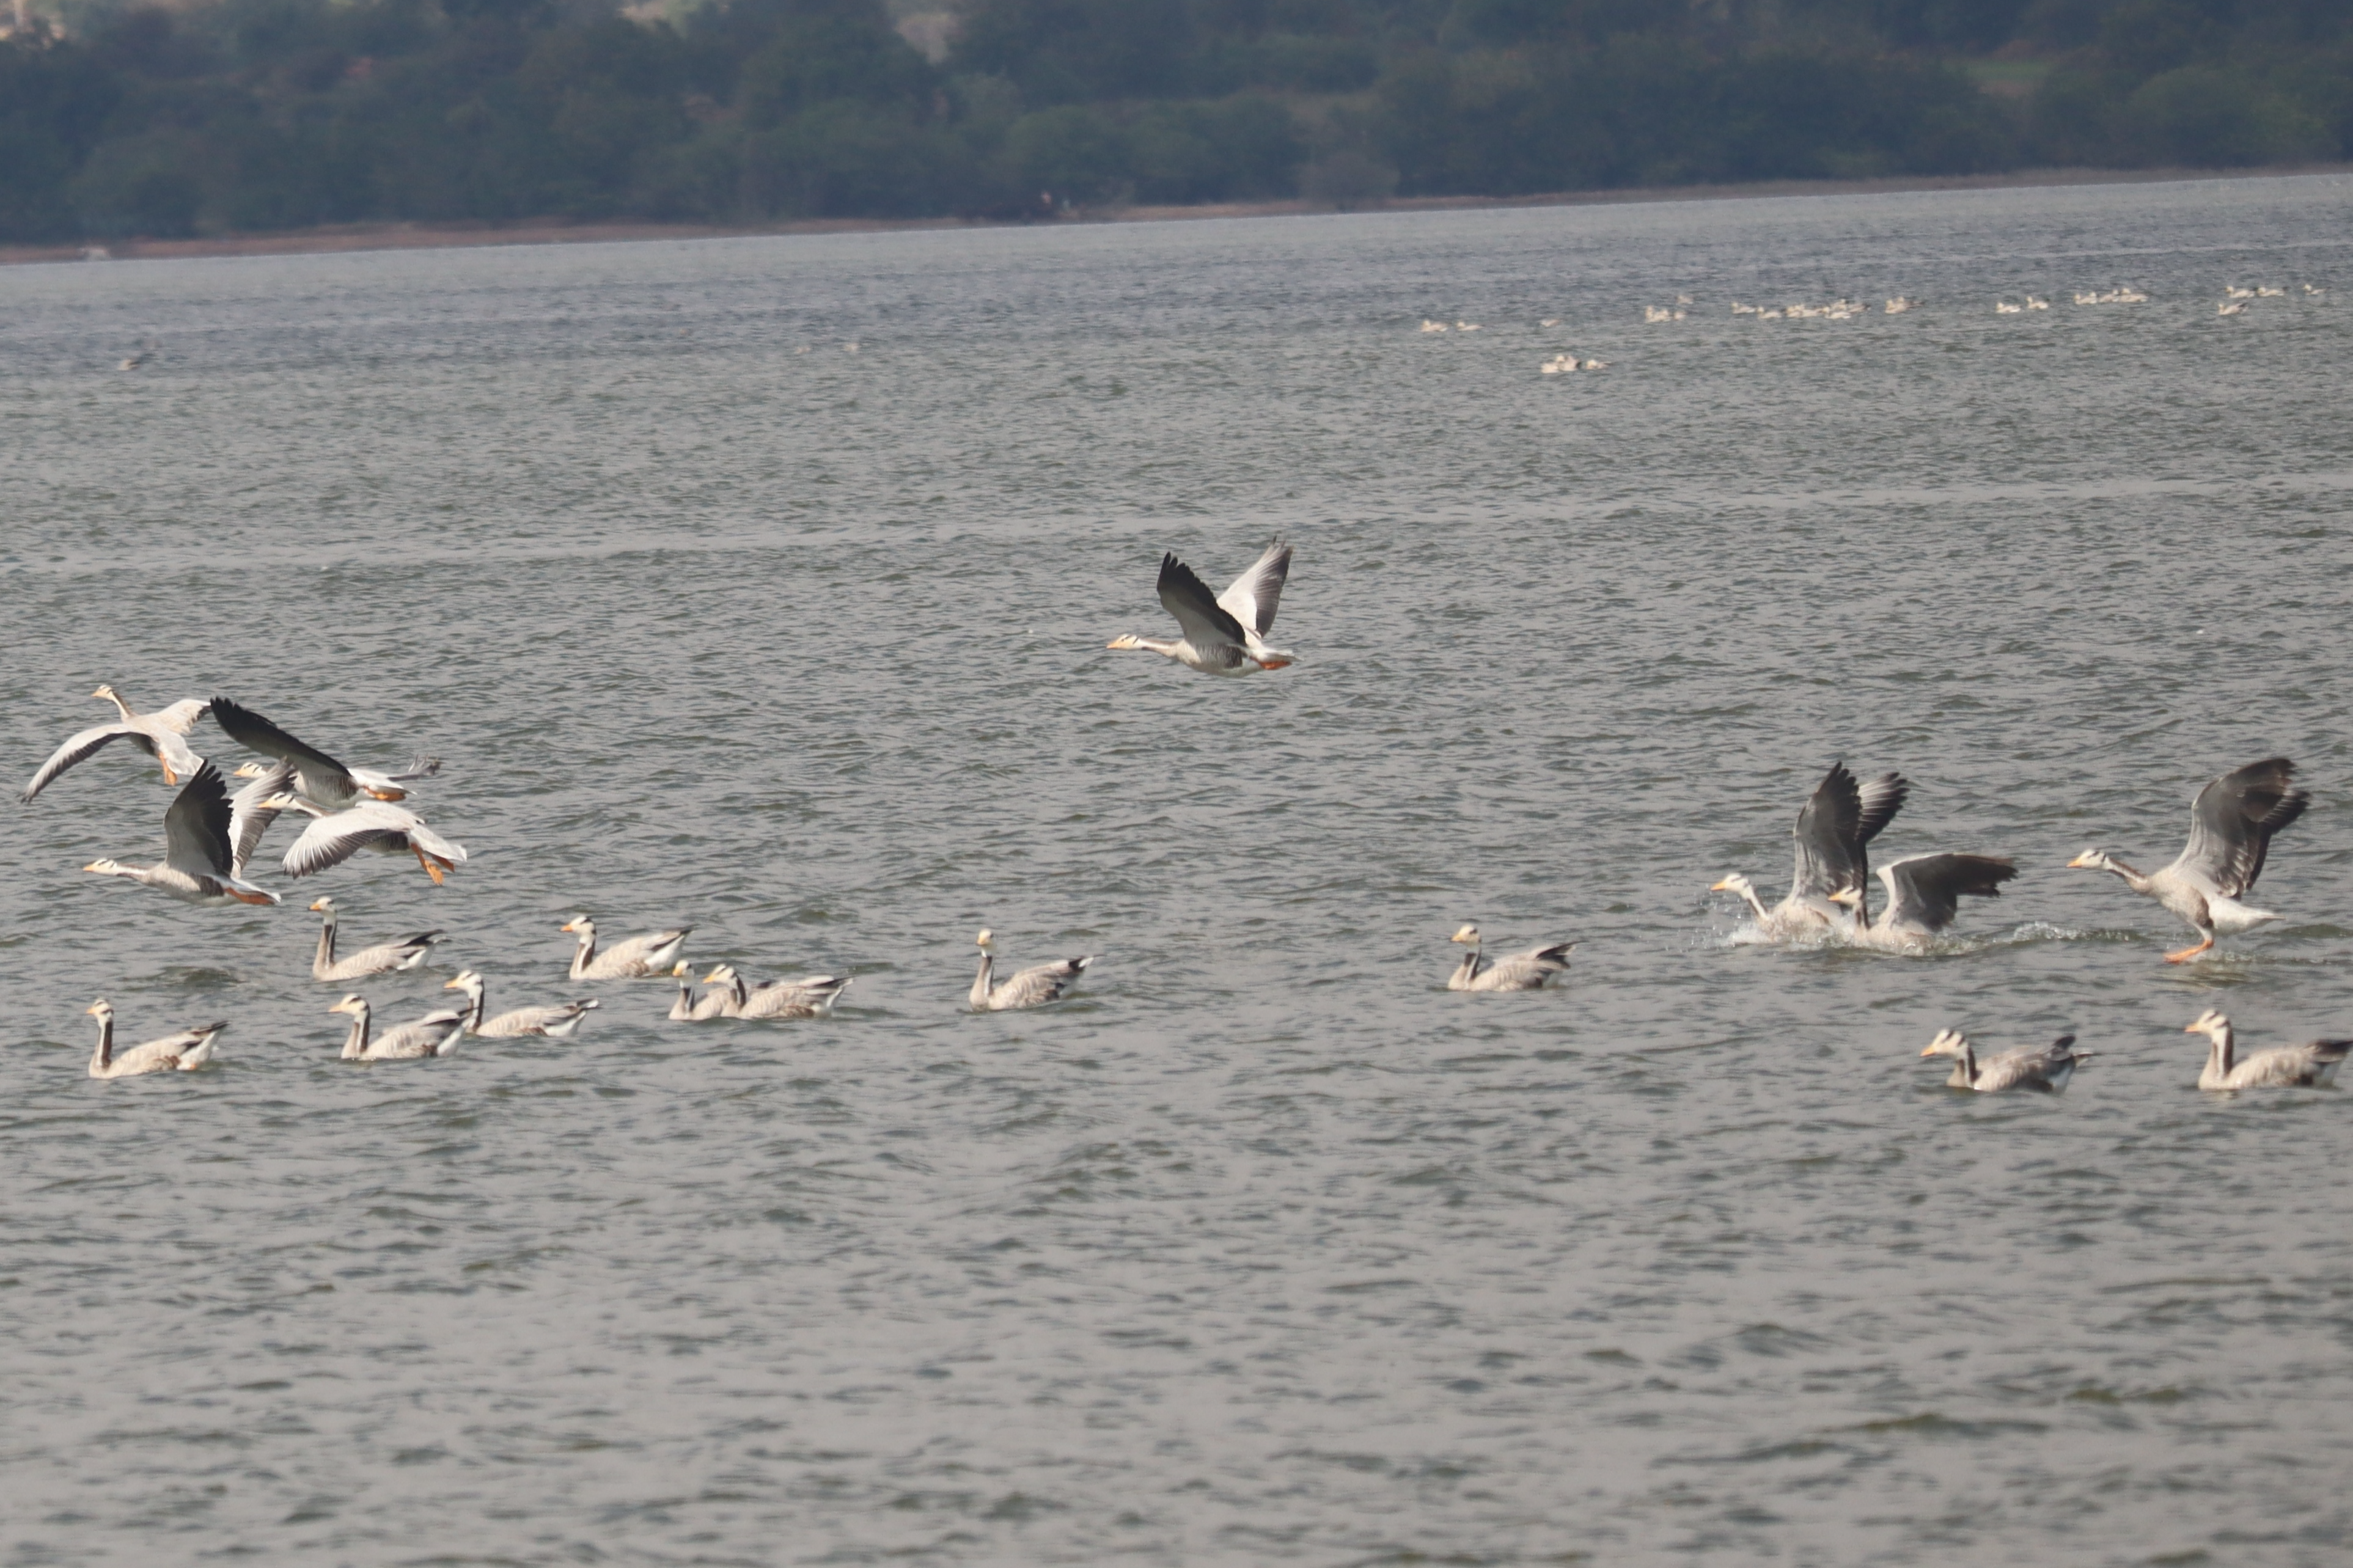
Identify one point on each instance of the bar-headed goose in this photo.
(647, 957)
(1521, 971)
(1040, 982)
(335, 837)
(2042, 1068)
(810, 997)
(1924, 894)
(556, 1020)
(691, 1009)
(160, 735)
(2232, 824)
(2307, 1066)
(199, 864)
(1223, 633)
(1833, 830)
(434, 1035)
(384, 958)
(321, 778)
(184, 1052)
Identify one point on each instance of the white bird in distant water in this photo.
(647, 957)
(2307, 1066)
(2042, 1068)
(1032, 986)
(1519, 972)
(182, 1052)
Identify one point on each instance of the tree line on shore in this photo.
(137, 119)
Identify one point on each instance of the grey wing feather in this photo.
(195, 826)
(1254, 596)
(1878, 802)
(80, 748)
(321, 775)
(1041, 983)
(1526, 971)
(1925, 891)
(332, 840)
(248, 819)
(1187, 597)
(2232, 824)
(1827, 860)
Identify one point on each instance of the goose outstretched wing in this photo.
(1252, 597)
(323, 778)
(2232, 824)
(1184, 595)
(195, 826)
(1925, 891)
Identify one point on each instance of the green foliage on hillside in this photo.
(262, 114)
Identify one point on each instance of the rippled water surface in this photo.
(1266, 1248)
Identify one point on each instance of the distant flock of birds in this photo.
(210, 838)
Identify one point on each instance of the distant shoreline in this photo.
(342, 237)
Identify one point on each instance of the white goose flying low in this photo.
(201, 832)
(1224, 634)
(318, 776)
(162, 736)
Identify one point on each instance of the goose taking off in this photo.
(557, 1020)
(1521, 971)
(1834, 827)
(647, 957)
(384, 958)
(1040, 982)
(335, 837)
(434, 1035)
(200, 864)
(2232, 824)
(1222, 635)
(2306, 1065)
(162, 736)
(321, 778)
(185, 1051)
(812, 997)
(1924, 894)
(2043, 1068)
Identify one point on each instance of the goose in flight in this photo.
(200, 865)
(557, 1021)
(384, 958)
(318, 776)
(1833, 830)
(647, 957)
(2306, 1065)
(1222, 634)
(1040, 983)
(1924, 894)
(162, 736)
(434, 1035)
(1521, 971)
(2043, 1068)
(335, 837)
(812, 997)
(185, 1051)
(2232, 825)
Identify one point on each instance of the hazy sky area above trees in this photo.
(122, 119)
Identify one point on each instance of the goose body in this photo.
(812, 997)
(384, 958)
(2232, 822)
(1039, 984)
(1833, 834)
(1224, 634)
(200, 863)
(2044, 1070)
(2307, 1066)
(1924, 894)
(182, 1052)
(691, 1009)
(1520, 971)
(647, 957)
(434, 1035)
(162, 735)
(335, 837)
(321, 779)
(556, 1020)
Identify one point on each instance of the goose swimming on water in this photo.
(556, 1020)
(1833, 830)
(811, 997)
(182, 1052)
(2043, 1068)
(200, 835)
(162, 735)
(691, 1009)
(434, 1035)
(1923, 895)
(318, 776)
(647, 957)
(1520, 971)
(1039, 984)
(1223, 635)
(384, 958)
(2307, 1066)
(2232, 825)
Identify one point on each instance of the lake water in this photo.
(1266, 1248)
